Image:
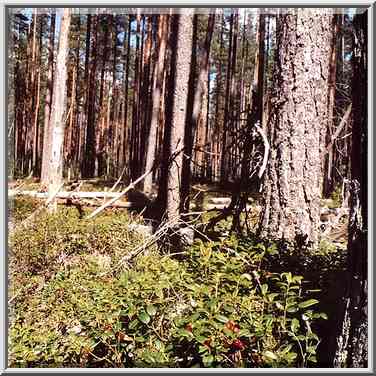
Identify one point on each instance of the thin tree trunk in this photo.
(157, 94)
(328, 162)
(47, 108)
(181, 43)
(224, 159)
(352, 341)
(136, 102)
(37, 104)
(83, 125)
(193, 120)
(90, 144)
(58, 105)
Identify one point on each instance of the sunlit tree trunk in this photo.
(292, 184)
(170, 182)
(47, 107)
(58, 105)
(157, 94)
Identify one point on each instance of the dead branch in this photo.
(65, 194)
(339, 128)
(120, 195)
(266, 151)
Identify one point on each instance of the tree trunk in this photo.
(36, 126)
(157, 92)
(136, 102)
(328, 186)
(58, 106)
(193, 120)
(47, 108)
(170, 182)
(224, 151)
(83, 124)
(90, 144)
(352, 342)
(299, 114)
(124, 149)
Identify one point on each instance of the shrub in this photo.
(217, 307)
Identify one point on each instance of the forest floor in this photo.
(227, 300)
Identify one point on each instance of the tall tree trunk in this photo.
(170, 182)
(299, 114)
(47, 108)
(78, 114)
(193, 120)
(136, 102)
(90, 144)
(58, 106)
(83, 125)
(124, 140)
(224, 151)
(328, 158)
(36, 126)
(352, 342)
(157, 93)
(145, 99)
(257, 98)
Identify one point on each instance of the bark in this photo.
(78, 117)
(58, 105)
(352, 341)
(328, 162)
(136, 98)
(181, 43)
(145, 91)
(37, 104)
(157, 93)
(299, 117)
(90, 144)
(193, 120)
(124, 148)
(83, 124)
(48, 102)
(224, 159)
(256, 112)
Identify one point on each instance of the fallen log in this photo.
(64, 194)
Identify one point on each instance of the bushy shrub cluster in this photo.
(72, 306)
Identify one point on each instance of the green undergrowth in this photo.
(73, 304)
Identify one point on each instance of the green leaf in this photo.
(292, 309)
(294, 325)
(264, 288)
(270, 355)
(308, 303)
(222, 318)
(247, 276)
(151, 310)
(144, 317)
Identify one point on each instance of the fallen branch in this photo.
(64, 194)
(118, 181)
(266, 151)
(339, 128)
(120, 195)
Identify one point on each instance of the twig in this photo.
(118, 181)
(266, 151)
(121, 194)
(339, 128)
